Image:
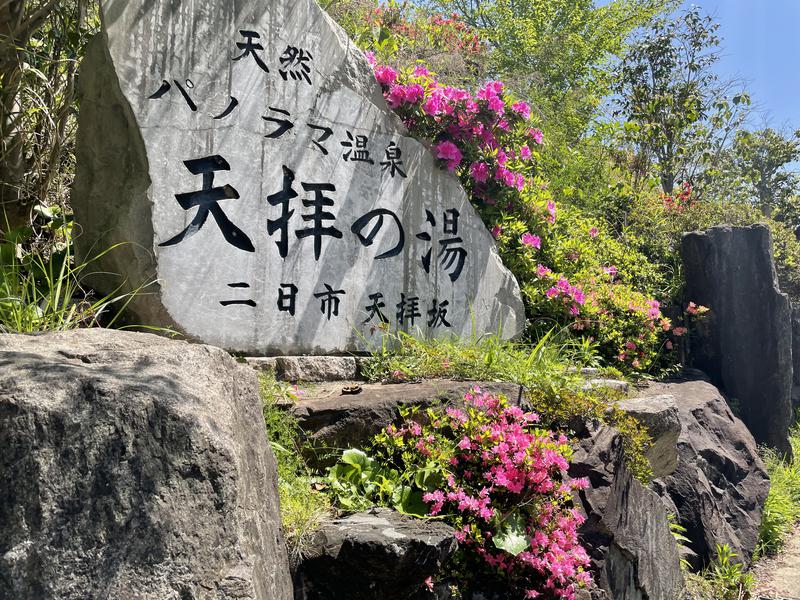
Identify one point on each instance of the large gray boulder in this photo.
(243, 154)
(626, 532)
(719, 487)
(376, 555)
(136, 468)
(745, 343)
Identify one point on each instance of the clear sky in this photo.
(761, 45)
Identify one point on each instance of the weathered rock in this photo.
(333, 420)
(134, 467)
(377, 555)
(659, 415)
(718, 490)
(316, 368)
(283, 115)
(745, 343)
(626, 531)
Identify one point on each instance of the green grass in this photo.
(43, 292)
(782, 509)
(302, 507)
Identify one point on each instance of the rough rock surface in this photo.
(333, 420)
(659, 414)
(745, 343)
(626, 532)
(719, 488)
(134, 467)
(377, 555)
(316, 368)
(273, 97)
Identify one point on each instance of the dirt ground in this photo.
(778, 577)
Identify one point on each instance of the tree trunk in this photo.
(12, 154)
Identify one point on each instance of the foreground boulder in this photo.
(626, 532)
(720, 485)
(745, 343)
(134, 467)
(376, 555)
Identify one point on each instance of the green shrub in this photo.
(782, 508)
(547, 370)
(724, 579)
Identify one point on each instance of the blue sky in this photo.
(761, 45)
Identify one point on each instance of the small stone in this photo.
(613, 384)
(316, 368)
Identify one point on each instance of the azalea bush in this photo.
(573, 272)
(495, 476)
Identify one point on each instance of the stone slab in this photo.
(314, 235)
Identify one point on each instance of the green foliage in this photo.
(558, 54)
(782, 508)
(724, 579)
(756, 168)
(41, 44)
(303, 507)
(487, 358)
(676, 112)
(42, 285)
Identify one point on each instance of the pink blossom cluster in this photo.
(472, 131)
(499, 461)
(562, 290)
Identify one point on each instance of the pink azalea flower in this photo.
(536, 135)
(612, 270)
(593, 232)
(414, 93)
(370, 58)
(448, 152)
(525, 153)
(522, 109)
(496, 231)
(386, 75)
(551, 208)
(528, 239)
(420, 71)
(479, 171)
(542, 271)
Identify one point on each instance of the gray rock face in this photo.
(719, 488)
(626, 532)
(315, 229)
(134, 467)
(333, 420)
(377, 555)
(745, 343)
(659, 415)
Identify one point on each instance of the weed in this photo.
(303, 508)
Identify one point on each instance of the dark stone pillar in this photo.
(745, 343)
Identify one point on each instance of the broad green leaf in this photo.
(512, 537)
